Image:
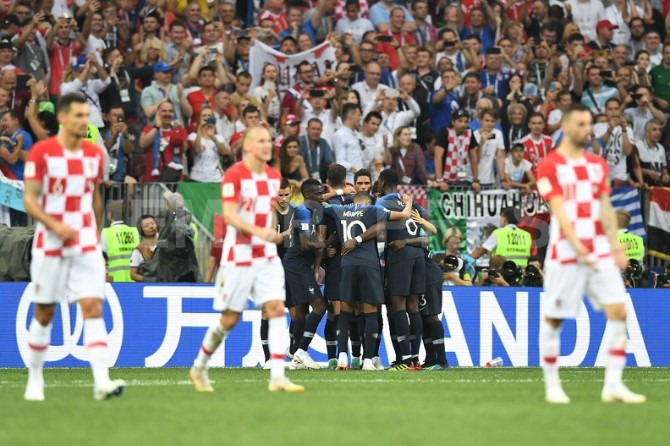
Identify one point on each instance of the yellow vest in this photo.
(632, 244)
(513, 244)
(91, 134)
(121, 240)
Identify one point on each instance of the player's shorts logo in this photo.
(72, 329)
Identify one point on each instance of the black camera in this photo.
(450, 264)
(493, 273)
(633, 274)
(662, 280)
(511, 273)
(532, 276)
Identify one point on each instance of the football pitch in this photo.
(461, 406)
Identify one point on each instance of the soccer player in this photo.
(302, 262)
(583, 256)
(62, 175)
(361, 279)
(250, 266)
(405, 275)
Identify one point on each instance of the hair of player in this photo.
(362, 173)
(285, 184)
(308, 186)
(372, 114)
(575, 107)
(511, 214)
(249, 130)
(65, 102)
(361, 197)
(390, 178)
(141, 219)
(348, 109)
(337, 175)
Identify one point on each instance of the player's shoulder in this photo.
(49, 146)
(272, 173)
(91, 150)
(236, 171)
(592, 158)
(553, 158)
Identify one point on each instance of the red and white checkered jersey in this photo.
(581, 184)
(536, 151)
(255, 195)
(279, 20)
(68, 181)
(341, 12)
(457, 154)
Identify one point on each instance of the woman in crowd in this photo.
(206, 147)
(408, 158)
(290, 163)
(145, 250)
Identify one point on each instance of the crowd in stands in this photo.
(449, 94)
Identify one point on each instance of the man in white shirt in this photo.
(392, 118)
(352, 23)
(617, 143)
(652, 43)
(615, 14)
(85, 84)
(347, 145)
(652, 156)
(369, 89)
(316, 108)
(376, 154)
(597, 94)
(96, 43)
(644, 112)
(586, 14)
(486, 147)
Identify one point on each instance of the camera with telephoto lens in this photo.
(532, 276)
(662, 280)
(451, 264)
(633, 274)
(511, 273)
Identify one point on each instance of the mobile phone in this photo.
(385, 38)
(493, 136)
(211, 121)
(354, 68)
(552, 86)
(216, 18)
(494, 50)
(449, 43)
(212, 50)
(636, 96)
(391, 93)
(606, 73)
(317, 93)
(269, 85)
(240, 32)
(22, 82)
(119, 119)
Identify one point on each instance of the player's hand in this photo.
(330, 252)
(349, 190)
(270, 235)
(416, 216)
(64, 232)
(397, 245)
(620, 258)
(584, 255)
(349, 246)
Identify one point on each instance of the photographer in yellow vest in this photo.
(507, 241)
(118, 241)
(632, 244)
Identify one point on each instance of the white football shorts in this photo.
(58, 279)
(566, 285)
(262, 282)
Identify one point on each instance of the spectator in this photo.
(319, 19)
(586, 14)
(318, 99)
(515, 125)
(119, 144)
(488, 148)
(660, 78)
(494, 80)
(62, 49)
(296, 28)
(211, 43)
(354, 24)
(426, 33)
(290, 128)
(192, 101)
(267, 95)
(207, 147)
(305, 72)
(179, 47)
(652, 156)
(636, 41)
(380, 16)
(452, 165)
(164, 144)
(376, 154)
(194, 23)
(290, 163)
(369, 89)
(14, 145)
(518, 171)
(596, 94)
(507, 241)
(251, 116)
(347, 146)
(472, 93)
(640, 73)
(30, 58)
(118, 241)
(604, 36)
(444, 100)
(652, 43)
(315, 150)
(144, 252)
(222, 108)
(621, 14)
(407, 158)
(161, 90)
(482, 25)
(536, 144)
(85, 83)
(392, 118)
(450, 47)
(400, 37)
(643, 111)
(94, 31)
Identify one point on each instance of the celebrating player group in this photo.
(373, 248)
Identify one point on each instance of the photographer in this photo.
(454, 272)
(492, 276)
(663, 280)
(533, 275)
(633, 277)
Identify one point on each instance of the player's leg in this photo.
(376, 360)
(356, 334)
(298, 315)
(432, 326)
(39, 338)
(401, 324)
(343, 328)
(330, 333)
(550, 347)
(318, 305)
(415, 329)
(370, 335)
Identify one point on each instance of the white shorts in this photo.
(566, 285)
(56, 279)
(262, 283)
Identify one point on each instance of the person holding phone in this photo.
(643, 110)
(207, 146)
(267, 94)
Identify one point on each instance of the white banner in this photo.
(321, 57)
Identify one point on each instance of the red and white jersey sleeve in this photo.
(581, 184)
(280, 21)
(255, 196)
(536, 152)
(68, 182)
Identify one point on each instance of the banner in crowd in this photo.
(475, 215)
(163, 325)
(11, 193)
(628, 199)
(659, 223)
(322, 58)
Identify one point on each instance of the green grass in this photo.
(458, 407)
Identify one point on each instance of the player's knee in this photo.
(273, 309)
(318, 306)
(91, 308)
(616, 312)
(44, 313)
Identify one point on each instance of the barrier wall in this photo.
(163, 325)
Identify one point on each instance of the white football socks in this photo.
(95, 340)
(616, 358)
(550, 343)
(278, 341)
(39, 337)
(213, 338)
